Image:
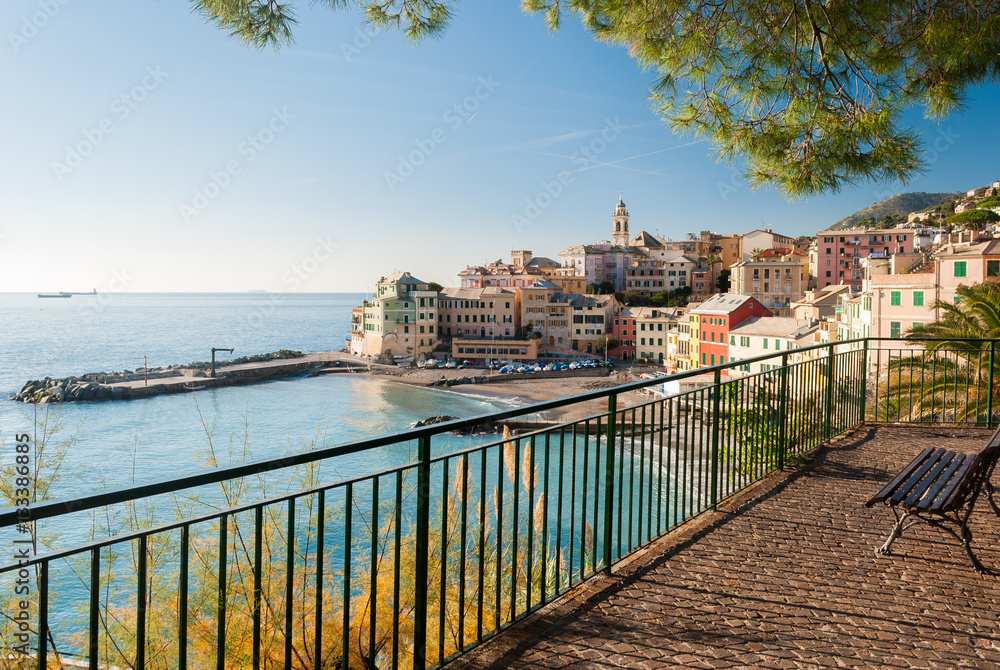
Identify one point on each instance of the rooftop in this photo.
(774, 326)
(721, 303)
(784, 576)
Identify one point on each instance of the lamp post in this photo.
(214, 349)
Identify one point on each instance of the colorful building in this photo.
(716, 317)
(399, 322)
(839, 252)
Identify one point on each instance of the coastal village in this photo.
(685, 304)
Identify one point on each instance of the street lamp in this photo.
(214, 349)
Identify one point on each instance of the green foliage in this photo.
(604, 288)
(950, 381)
(661, 299)
(607, 342)
(722, 282)
(811, 94)
(434, 286)
(901, 204)
(989, 203)
(974, 219)
(269, 23)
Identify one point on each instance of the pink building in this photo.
(839, 252)
(624, 332)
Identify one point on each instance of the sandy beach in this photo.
(520, 391)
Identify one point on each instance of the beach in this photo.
(517, 391)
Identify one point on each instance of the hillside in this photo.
(899, 205)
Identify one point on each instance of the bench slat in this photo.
(928, 500)
(917, 478)
(955, 488)
(887, 490)
(937, 479)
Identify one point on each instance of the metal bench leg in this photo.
(897, 530)
(989, 496)
(967, 545)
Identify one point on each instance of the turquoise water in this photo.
(156, 438)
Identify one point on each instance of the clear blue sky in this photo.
(346, 157)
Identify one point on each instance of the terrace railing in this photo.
(411, 565)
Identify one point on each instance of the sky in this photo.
(144, 150)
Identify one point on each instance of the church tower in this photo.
(619, 235)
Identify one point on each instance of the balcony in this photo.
(785, 576)
(726, 522)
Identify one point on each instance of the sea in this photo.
(113, 443)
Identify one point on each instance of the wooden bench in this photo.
(941, 486)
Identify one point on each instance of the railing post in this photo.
(783, 412)
(989, 392)
(828, 432)
(864, 383)
(609, 481)
(716, 399)
(422, 551)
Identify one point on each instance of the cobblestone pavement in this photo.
(786, 577)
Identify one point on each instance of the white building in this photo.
(759, 336)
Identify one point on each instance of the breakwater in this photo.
(131, 385)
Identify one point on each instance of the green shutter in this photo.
(959, 268)
(918, 298)
(894, 298)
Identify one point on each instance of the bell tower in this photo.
(619, 233)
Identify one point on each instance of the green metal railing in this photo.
(413, 565)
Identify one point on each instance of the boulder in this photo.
(443, 418)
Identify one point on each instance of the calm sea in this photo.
(116, 442)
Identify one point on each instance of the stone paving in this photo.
(785, 577)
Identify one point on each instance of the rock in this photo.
(443, 418)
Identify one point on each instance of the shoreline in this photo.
(518, 391)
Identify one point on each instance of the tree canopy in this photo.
(974, 219)
(809, 93)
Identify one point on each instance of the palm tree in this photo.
(950, 380)
(711, 260)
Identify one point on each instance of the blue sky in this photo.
(144, 150)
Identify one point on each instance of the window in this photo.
(421, 330)
(959, 268)
(993, 268)
(894, 298)
(894, 329)
(777, 344)
(918, 298)
(732, 340)
(765, 343)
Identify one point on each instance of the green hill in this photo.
(897, 207)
